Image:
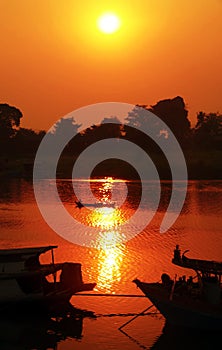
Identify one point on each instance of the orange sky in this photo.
(54, 59)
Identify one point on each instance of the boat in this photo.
(23, 279)
(80, 205)
(194, 302)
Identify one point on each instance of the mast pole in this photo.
(53, 263)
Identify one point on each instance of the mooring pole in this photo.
(141, 313)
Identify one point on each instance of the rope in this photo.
(132, 319)
(128, 314)
(110, 295)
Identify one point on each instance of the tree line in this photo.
(202, 144)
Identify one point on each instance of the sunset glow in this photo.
(155, 54)
(110, 151)
(108, 23)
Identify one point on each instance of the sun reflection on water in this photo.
(106, 218)
(105, 190)
(109, 267)
(111, 251)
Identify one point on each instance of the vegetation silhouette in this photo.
(9, 121)
(208, 131)
(201, 144)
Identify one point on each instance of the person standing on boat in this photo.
(177, 253)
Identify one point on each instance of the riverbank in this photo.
(201, 165)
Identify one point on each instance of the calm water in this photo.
(146, 257)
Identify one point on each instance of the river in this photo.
(145, 256)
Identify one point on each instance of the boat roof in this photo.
(23, 253)
(205, 266)
(45, 270)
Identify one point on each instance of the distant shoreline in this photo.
(201, 165)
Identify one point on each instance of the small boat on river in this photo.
(80, 205)
(23, 279)
(194, 302)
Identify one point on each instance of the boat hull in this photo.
(25, 281)
(176, 315)
(181, 311)
(36, 302)
(56, 298)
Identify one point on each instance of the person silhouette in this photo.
(177, 253)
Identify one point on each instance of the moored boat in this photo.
(23, 279)
(189, 302)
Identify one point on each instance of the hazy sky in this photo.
(54, 59)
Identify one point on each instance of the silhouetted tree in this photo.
(26, 141)
(113, 128)
(175, 115)
(171, 111)
(108, 128)
(9, 121)
(65, 128)
(136, 122)
(208, 130)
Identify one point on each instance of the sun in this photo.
(108, 23)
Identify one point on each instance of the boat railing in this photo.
(182, 286)
(203, 266)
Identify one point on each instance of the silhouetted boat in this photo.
(184, 302)
(24, 280)
(80, 205)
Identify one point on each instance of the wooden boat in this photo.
(186, 302)
(23, 279)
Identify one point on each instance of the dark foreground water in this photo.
(146, 257)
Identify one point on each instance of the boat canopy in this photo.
(22, 254)
(204, 266)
